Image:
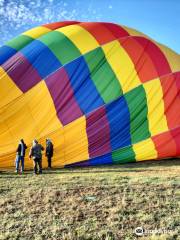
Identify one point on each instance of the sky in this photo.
(157, 18)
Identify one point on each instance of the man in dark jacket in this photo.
(49, 151)
(36, 154)
(20, 154)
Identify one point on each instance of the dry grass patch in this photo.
(106, 202)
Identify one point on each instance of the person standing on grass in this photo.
(20, 154)
(36, 154)
(49, 151)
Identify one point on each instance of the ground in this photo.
(106, 202)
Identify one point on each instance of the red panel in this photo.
(142, 62)
(99, 31)
(57, 25)
(177, 80)
(171, 96)
(165, 145)
(156, 55)
(116, 30)
(176, 135)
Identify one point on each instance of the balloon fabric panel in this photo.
(104, 94)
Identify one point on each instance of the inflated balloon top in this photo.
(102, 92)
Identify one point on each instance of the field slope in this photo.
(106, 202)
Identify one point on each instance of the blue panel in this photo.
(105, 159)
(119, 121)
(85, 91)
(41, 57)
(5, 53)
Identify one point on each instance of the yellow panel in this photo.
(82, 39)
(172, 57)
(28, 117)
(19, 121)
(134, 32)
(122, 65)
(58, 157)
(15, 123)
(37, 32)
(76, 142)
(8, 160)
(43, 112)
(8, 89)
(6, 140)
(42, 109)
(145, 150)
(59, 153)
(156, 117)
(18, 124)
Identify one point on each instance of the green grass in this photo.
(106, 202)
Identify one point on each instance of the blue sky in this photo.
(157, 18)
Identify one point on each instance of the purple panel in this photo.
(98, 132)
(21, 72)
(79, 164)
(63, 96)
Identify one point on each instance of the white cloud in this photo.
(17, 16)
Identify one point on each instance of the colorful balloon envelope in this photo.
(103, 93)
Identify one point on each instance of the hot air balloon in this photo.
(103, 93)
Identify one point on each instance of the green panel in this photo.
(61, 46)
(102, 75)
(19, 42)
(123, 155)
(137, 103)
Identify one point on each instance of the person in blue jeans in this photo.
(20, 154)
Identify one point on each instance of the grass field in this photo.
(106, 202)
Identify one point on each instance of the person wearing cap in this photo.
(36, 154)
(20, 154)
(49, 151)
